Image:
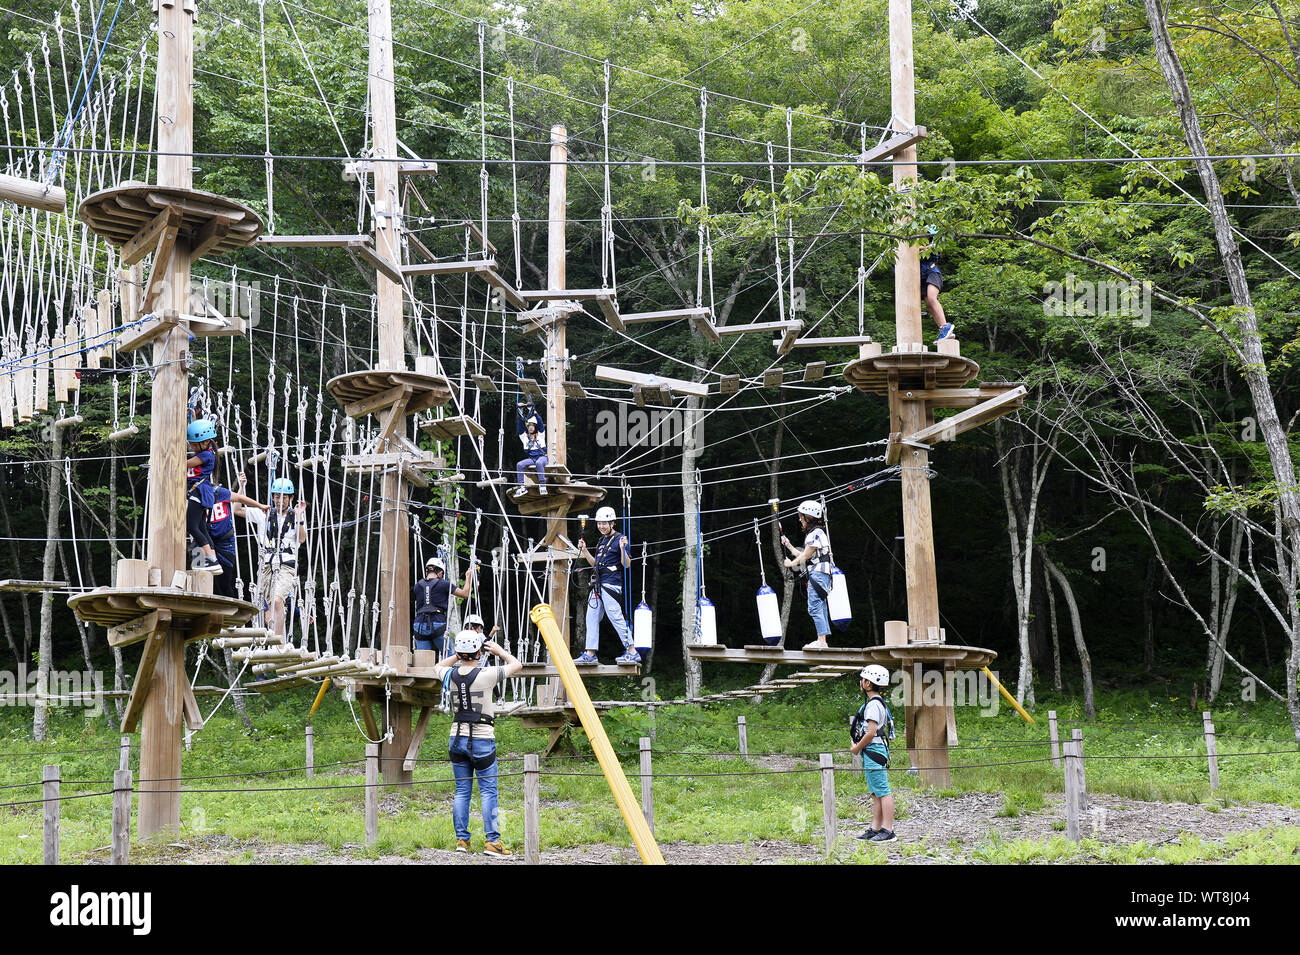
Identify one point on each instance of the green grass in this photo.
(693, 803)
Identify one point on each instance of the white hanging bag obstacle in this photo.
(643, 616)
(707, 617)
(769, 607)
(837, 601)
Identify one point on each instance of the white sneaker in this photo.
(541, 490)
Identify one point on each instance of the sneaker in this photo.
(520, 491)
(210, 564)
(884, 835)
(631, 656)
(542, 489)
(497, 849)
(869, 835)
(462, 845)
(588, 659)
(945, 332)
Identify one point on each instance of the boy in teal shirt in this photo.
(871, 728)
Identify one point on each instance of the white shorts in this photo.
(278, 582)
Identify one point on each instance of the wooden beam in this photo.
(484, 383)
(405, 167)
(417, 738)
(449, 268)
(574, 389)
(773, 377)
(133, 631)
(385, 265)
(147, 239)
(210, 236)
(193, 715)
(830, 342)
(729, 384)
(669, 314)
(161, 266)
(33, 195)
(31, 586)
(814, 370)
(985, 411)
(565, 294)
(143, 677)
(364, 406)
(609, 308)
(781, 327)
(390, 459)
(531, 387)
(676, 385)
(788, 339)
(312, 241)
(393, 415)
(496, 280)
(894, 145)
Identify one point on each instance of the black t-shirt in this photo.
(431, 596)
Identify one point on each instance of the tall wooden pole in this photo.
(160, 729)
(394, 534)
(556, 372)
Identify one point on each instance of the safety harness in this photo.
(884, 733)
(466, 712)
(282, 550)
(607, 564)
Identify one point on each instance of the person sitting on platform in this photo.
(871, 729)
(279, 535)
(199, 488)
(532, 434)
(472, 746)
(221, 523)
(432, 595)
(815, 560)
(613, 553)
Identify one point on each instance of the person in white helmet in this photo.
(815, 560)
(280, 533)
(871, 729)
(432, 594)
(613, 553)
(472, 745)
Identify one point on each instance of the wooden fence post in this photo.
(1056, 739)
(1077, 736)
(744, 736)
(1211, 750)
(532, 815)
(372, 793)
(50, 793)
(311, 752)
(1071, 792)
(121, 844)
(830, 821)
(124, 754)
(647, 784)
(652, 721)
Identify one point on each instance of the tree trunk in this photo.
(1085, 661)
(18, 571)
(1250, 349)
(1149, 617)
(1056, 634)
(1021, 562)
(53, 498)
(1226, 603)
(691, 445)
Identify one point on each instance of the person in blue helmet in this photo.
(221, 523)
(606, 598)
(279, 535)
(200, 491)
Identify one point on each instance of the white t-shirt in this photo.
(818, 538)
(480, 692)
(276, 534)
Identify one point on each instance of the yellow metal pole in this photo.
(1010, 699)
(319, 697)
(544, 618)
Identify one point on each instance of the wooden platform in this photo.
(211, 224)
(203, 614)
(847, 656)
(923, 369)
(574, 495)
(31, 586)
(363, 392)
(448, 429)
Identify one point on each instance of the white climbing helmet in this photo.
(875, 673)
(469, 642)
(435, 563)
(606, 514)
(811, 509)
(474, 620)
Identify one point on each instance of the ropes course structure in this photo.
(386, 438)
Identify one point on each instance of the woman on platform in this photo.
(814, 560)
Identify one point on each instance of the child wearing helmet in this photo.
(931, 286)
(221, 524)
(613, 553)
(871, 729)
(199, 491)
(472, 744)
(279, 535)
(532, 434)
(432, 594)
(814, 560)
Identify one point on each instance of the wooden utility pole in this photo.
(394, 534)
(556, 373)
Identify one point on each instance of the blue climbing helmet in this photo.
(282, 486)
(201, 429)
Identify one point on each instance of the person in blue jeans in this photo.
(472, 746)
(871, 729)
(613, 553)
(532, 434)
(815, 559)
(432, 594)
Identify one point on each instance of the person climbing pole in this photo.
(613, 553)
(472, 746)
(871, 729)
(221, 524)
(199, 492)
(432, 594)
(532, 434)
(931, 286)
(814, 560)
(279, 535)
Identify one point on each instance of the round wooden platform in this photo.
(111, 607)
(946, 653)
(575, 495)
(913, 369)
(119, 213)
(427, 391)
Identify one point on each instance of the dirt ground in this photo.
(945, 829)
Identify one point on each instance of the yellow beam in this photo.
(320, 696)
(1010, 699)
(544, 618)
